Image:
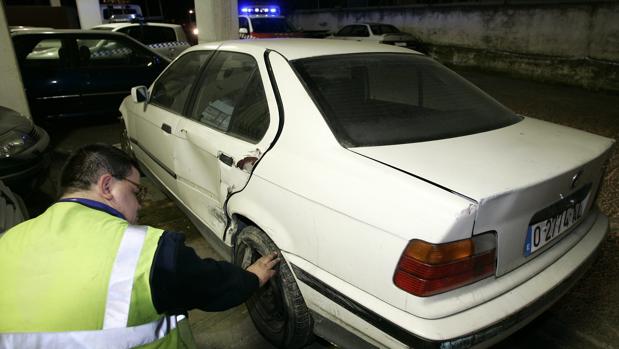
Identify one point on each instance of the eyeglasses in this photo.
(142, 190)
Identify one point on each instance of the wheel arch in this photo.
(251, 214)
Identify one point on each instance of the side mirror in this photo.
(139, 94)
(243, 31)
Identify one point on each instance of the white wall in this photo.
(216, 20)
(89, 12)
(12, 94)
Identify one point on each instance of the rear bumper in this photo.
(503, 315)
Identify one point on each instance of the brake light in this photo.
(427, 269)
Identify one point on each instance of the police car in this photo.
(260, 22)
(166, 39)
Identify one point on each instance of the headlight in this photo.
(14, 142)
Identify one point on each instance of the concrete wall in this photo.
(573, 43)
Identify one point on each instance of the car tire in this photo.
(277, 309)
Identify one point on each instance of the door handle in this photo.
(167, 128)
(226, 159)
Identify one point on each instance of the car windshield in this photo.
(384, 99)
(271, 25)
(380, 29)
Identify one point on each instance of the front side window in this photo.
(384, 99)
(243, 23)
(172, 88)
(231, 97)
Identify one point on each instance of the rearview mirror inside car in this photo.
(139, 94)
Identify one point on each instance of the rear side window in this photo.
(383, 99)
(172, 88)
(231, 97)
(44, 53)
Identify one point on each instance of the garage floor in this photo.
(587, 317)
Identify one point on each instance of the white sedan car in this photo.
(381, 33)
(410, 208)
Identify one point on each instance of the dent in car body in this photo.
(247, 163)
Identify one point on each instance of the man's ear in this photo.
(104, 186)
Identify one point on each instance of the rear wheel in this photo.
(277, 309)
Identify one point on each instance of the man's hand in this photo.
(263, 267)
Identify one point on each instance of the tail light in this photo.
(426, 269)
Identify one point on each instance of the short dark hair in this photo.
(88, 163)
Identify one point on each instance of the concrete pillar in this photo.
(12, 94)
(89, 12)
(217, 20)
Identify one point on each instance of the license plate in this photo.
(543, 232)
(399, 43)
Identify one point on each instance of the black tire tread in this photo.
(300, 333)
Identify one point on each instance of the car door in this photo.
(110, 65)
(152, 128)
(224, 135)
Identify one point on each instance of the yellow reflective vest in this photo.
(78, 277)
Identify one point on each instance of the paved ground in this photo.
(587, 317)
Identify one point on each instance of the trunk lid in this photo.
(522, 176)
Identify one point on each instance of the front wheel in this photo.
(277, 309)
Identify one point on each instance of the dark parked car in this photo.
(24, 155)
(70, 73)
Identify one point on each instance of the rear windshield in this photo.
(384, 99)
(271, 25)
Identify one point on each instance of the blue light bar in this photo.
(271, 10)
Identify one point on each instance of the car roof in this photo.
(293, 49)
(125, 24)
(64, 32)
